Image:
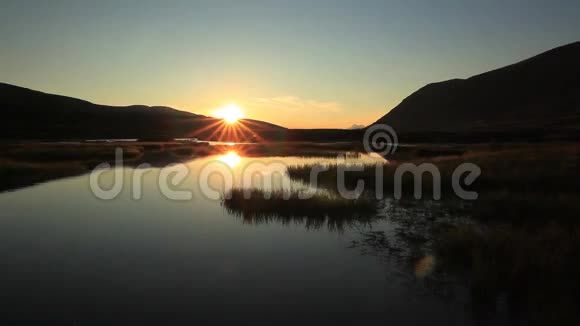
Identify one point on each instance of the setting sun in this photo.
(230, 113)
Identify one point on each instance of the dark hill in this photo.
(29, 114)
(538, 95)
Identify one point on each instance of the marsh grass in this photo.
(31, 163)
(286, 206)
(68, 152)
(15, 174)
(412, 152)
(525, 208)
(535, 268)
(300, 149)
(540, 169)
(526, 266)
(367, 173)
(517, 246)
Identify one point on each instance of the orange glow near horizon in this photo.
(230, 113)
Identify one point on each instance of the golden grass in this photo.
(529, 169)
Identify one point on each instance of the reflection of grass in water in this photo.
(523, 250)
(286, 206)
(527, 266)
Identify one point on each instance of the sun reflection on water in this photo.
(231, 159)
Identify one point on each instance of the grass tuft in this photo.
(287, 206)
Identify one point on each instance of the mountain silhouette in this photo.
(535, 99)
(540, 94)
(29, 114)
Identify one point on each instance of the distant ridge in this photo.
(535, 99)
(29, 114)
(540, 94)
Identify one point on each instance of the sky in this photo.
(299, 64)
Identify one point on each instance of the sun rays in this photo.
(222, 130)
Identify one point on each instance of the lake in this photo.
(71, 257)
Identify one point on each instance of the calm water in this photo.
(69, 256)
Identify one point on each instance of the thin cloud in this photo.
(295, 103)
